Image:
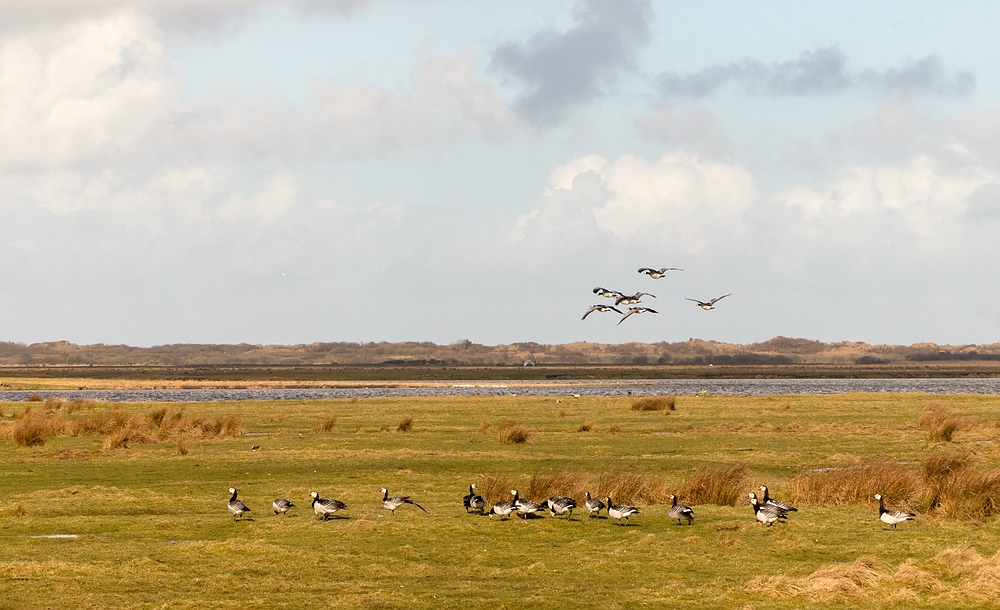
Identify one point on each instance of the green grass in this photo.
(153, 530)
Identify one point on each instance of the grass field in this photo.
(152, 529)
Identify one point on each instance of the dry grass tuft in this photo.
(32, 432)
(721, 485)
(484, 427)
(155, 417)
(406, 425)
(612, 429)
(624, 486)
(655, 403)
(509, 432)
(52, 404)
(857, 482)
(183, 445)
(325, 425)
(585, 427)
(78, 404)
(20, 510)
(495, 488)
(121, 438)
(34, 398)
(940, 425)
(958, 489)
(556, 483)
(384, 428)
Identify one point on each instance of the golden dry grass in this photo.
(723, 485)
(654, 403)
(509, 432)
(857, 482)
(406, 425)
(326, 424)
(938, 422)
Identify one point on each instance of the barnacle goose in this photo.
(391, 504)
(525, 507)
(593, 506)
(620, 511)
(680, 511)
(504, 509)
(325, 507)
(657, 274)
(634, 310)
(632, 299)
(773, 502)
(765, 513)
(709, 305)
(561, 505)
(281, 506)
(237, 507)
(890, 517)
(609, 294)
(601, 308)
(473, 501)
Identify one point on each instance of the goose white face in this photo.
(232, 490)
(314, 494)
(878, 496)
(383, 491)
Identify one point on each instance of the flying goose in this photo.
(561, 505)
(600, 308)
(525, 507)
(768, 500)
(890, 517)
(593, 506)
(680, 511)
(504, 509)
(632, 299)
(765, 513)
(237, 507)
(633, 310)
(326, 506)
(473, 501)
(657, 274)
(608, 294)
(708, 305)
(391, 504)
(281, 506)
(620, 511)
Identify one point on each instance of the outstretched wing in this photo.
(592, 309)
(716, 299)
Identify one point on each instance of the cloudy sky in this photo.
(222, 171)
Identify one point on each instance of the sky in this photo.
(265, 171)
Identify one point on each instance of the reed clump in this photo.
(722, 485)
(586, 426)
(31, 431)
(495, 488)
(327, 424)
(655, 403)
(406, 425)
(855, 482)
(509, 432)
(958, 488)
(938, 422)
(483, 428)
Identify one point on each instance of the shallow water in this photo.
(656, 387)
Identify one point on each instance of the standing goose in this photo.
(525, 507)
(504, 509)
(632, 299)
(593, 506)
(632, 310)
(281, 506)
(473, 501)
(325, 507)
(391, 504)
(601, 308)
(561, 505)
(680, 511)
(765, 513)
(890, 517)
(620, 511)
(709, 304)
(657, 274)
(237, 507)
(788, 508)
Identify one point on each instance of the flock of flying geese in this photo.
(767, 510)
(621, 298)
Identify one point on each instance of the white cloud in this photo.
(678, 198)
(81, 93)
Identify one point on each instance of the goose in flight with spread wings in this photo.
(600, 308)
(708, 305)
(608, 294)
(657, 274)
(633, 310)
(632, 299)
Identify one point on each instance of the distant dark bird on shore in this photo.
(632, 310)
(657, 274)
(708, 305)
(601, 308)
(608, 294)
(632, 299)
